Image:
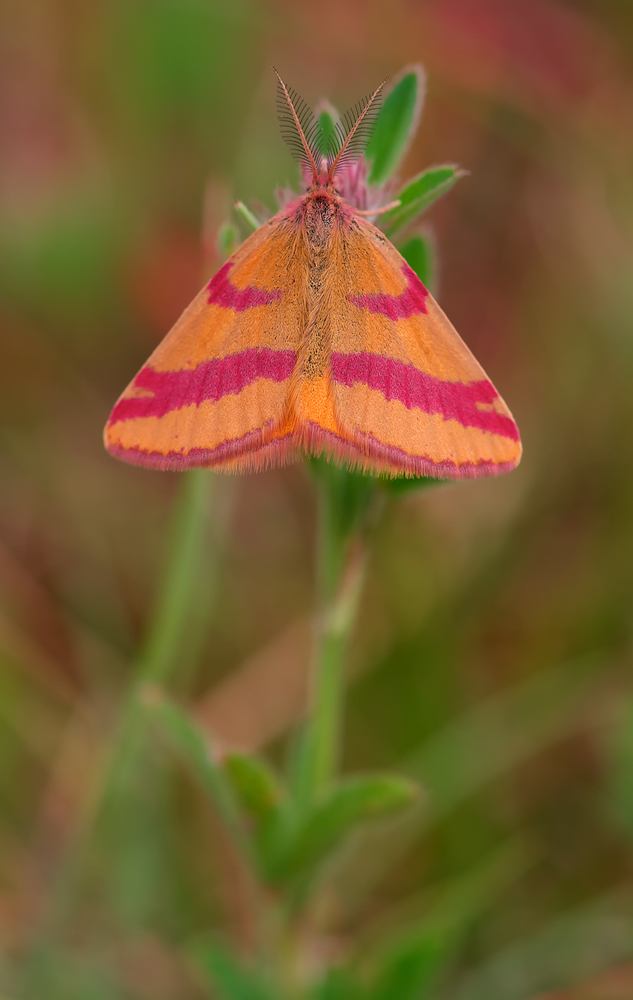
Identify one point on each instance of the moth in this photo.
(316, 337)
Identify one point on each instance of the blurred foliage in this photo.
(491, 663)
(396, 125)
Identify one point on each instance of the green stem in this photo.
(173, 605)
(341, 560)
(341, 574)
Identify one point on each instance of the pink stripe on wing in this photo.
(408, 303)
(209, 380)
(223, 293)
(251, 448)
(366, 454)
(397, 380)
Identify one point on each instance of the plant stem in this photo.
(174, 602)
(341, 574)
(341, 561)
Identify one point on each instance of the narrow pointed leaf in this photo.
(228, 239)
(419, 254)
(327, 118)
(245, 213)
(419, 194)
(396, 125)
(348, 805)
(261, 799)
(254, 783)
(326, 125)
(190, 743)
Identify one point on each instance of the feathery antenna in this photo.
(299, 127)
(354, 132)
(304, 136)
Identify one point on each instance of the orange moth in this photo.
(316, 337)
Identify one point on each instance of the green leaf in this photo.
(396, 125)
(232, 980)
(347, 806)
(327, 116)
(419, 254)
(248, 217)
(228, 239)
(191, 744)
(426, 183)
(255, 784)
(257, 789)
(419, 194)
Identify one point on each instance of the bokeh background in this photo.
(492, 659)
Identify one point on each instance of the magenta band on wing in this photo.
(409, 303)
(209, 380)
(367, 450)
(397, 380)
(223, 293)
(228, 451)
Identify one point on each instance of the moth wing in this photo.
(407, 395)
(214, 392)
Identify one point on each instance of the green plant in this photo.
(289, 830)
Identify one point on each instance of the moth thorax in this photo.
(320, 218)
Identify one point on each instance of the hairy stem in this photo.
(341, 561)
(341, 576)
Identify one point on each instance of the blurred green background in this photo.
(492, 659)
